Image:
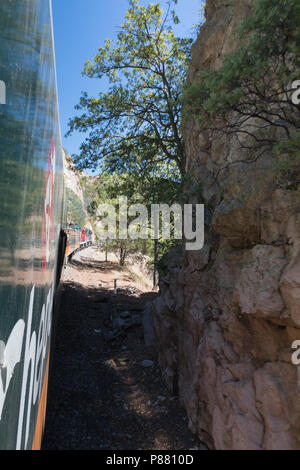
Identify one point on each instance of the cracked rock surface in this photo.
(227, 315)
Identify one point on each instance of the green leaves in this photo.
(249, 94)
(146, 67)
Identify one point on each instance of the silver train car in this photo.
(33, 238)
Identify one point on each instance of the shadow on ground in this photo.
(88, 263)
(100, 395)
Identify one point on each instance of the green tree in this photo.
(146, 68)
(139, 188)
(249, 98)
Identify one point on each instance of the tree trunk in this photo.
(123, 254)
(155, 280)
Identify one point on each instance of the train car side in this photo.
(77, 238)
(31, 217)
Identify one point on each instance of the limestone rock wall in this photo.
(227, 315)
(72, 182)
(71, 177)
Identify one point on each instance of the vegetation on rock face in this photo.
(75, 211)
(249, 98)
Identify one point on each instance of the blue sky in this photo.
(80, 28)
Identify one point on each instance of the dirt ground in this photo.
(105, 387)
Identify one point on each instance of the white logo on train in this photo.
(35, 355)
(34, 364)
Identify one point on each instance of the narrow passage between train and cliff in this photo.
(105, 387)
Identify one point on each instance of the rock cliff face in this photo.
(227, 315)
(71, 178)
(72, 183)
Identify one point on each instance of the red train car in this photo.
(83, 237)
(77, 237)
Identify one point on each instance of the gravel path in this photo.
(105, 387)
